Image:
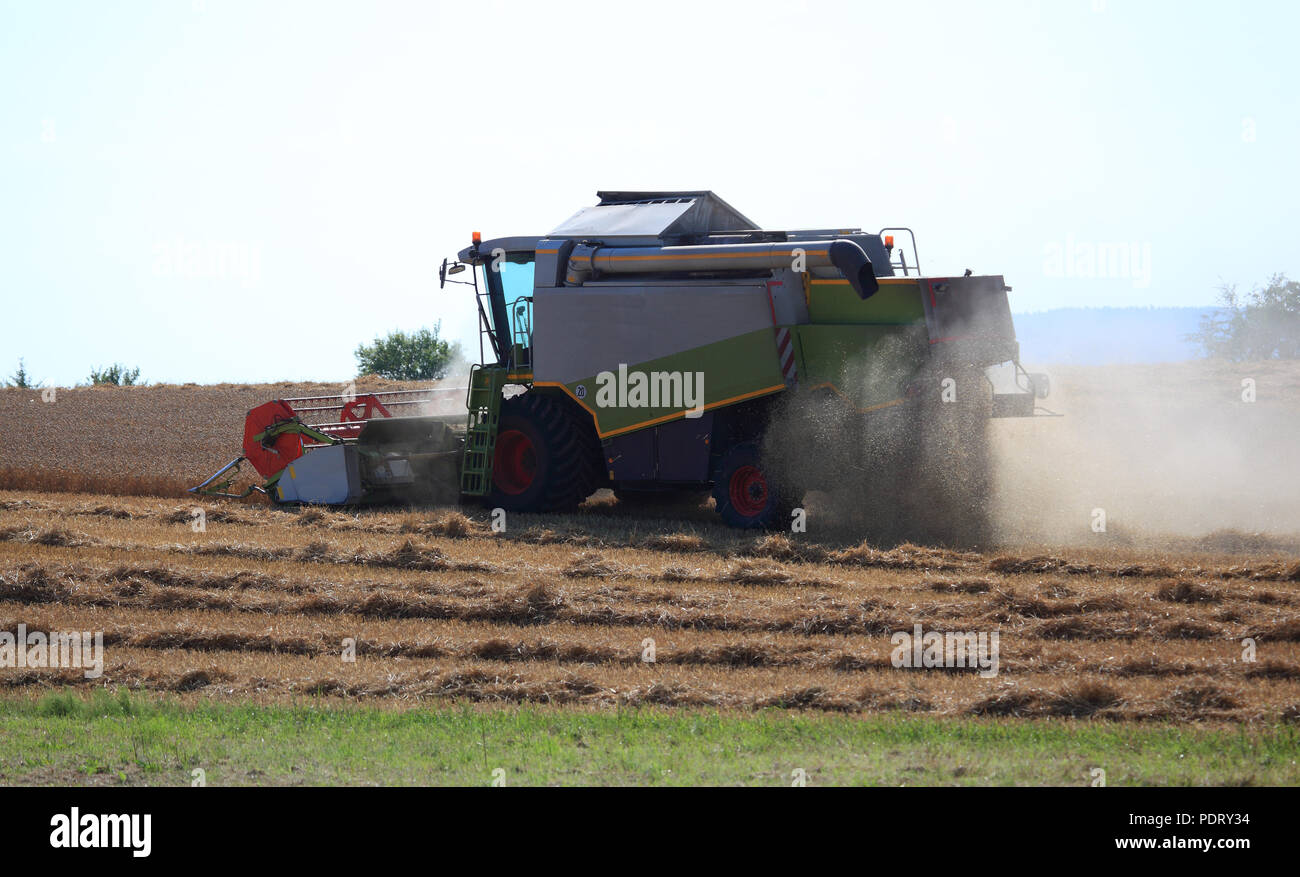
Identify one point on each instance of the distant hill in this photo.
(1096, 336)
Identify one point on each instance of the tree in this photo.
(21, 379)
(115, 375)
(1264, 324)
(419, 356)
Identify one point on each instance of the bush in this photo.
(419, 356)
(1264, 324)
(115, 375)
(21, 379)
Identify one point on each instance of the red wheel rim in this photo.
(748, 491)
(514, 464)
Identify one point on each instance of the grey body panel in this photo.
(650, 218)
(581, 331)
(330, 476)
(631, 224)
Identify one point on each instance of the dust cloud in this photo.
(1165, 451)
(1165, 456)
(914, 470)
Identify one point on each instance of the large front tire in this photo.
(543, 460)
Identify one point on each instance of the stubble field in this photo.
(263, 603)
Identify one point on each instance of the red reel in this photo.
(363, 408)
(282, 450)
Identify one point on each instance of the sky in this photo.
(220, 191)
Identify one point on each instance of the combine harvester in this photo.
(661, 344)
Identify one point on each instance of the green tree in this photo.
(115, 375)
(1263, 324)
(21, 379)
(419, 356)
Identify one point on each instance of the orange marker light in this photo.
(477, 237)
(889, 241)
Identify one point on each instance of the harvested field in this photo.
(565, 610)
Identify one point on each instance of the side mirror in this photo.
(446, 269)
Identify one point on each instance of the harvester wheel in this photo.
(745, 492)
(592, 473)
(542, 461)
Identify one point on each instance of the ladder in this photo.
(483, 401)
(521, 335)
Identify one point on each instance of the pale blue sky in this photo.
(244, 191)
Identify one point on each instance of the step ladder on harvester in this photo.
(483, 400)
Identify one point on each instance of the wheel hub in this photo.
(514, 463)
(748, 490)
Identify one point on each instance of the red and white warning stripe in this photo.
(785, 353)
(784, 344)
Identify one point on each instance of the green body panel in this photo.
(868, 351)
(735, 369)
(867, 365)
(896, 303)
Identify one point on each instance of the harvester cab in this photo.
(662, 344)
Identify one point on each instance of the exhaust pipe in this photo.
(586, 261)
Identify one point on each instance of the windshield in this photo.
(507, 281)
(516, 280)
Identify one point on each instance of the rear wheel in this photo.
(543, 460)
(746, 493)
